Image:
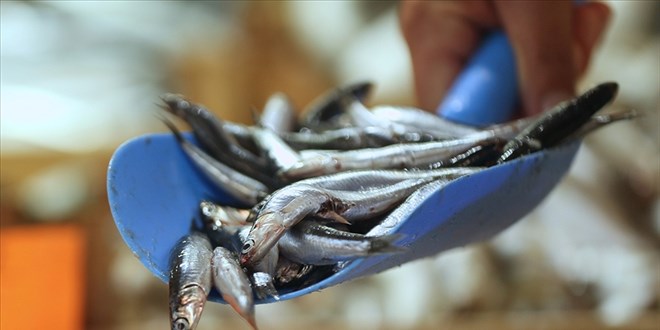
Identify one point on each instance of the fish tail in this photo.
(600, 121)
(174, 129)
(251, 320)
(174, 103)
(385, 244)
(332, 215)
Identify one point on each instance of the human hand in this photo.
(552, 42)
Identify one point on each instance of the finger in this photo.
(589, 23)
(541, 36)
(441, 37)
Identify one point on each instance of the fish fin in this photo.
(256, 116)
(173, 128)
(332, 215)
(385, 244)
(603, 120)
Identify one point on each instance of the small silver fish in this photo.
(238, 185)
(323, 112)
(190, 280)
(281, 155)
(222, 216)
(312, 243)
(423, 120)
(262, 272)
(398, 156)
(370, 179)
(347, 138)
(289, 205)
(223, 224)
(279, 114)
(212, 134)
(284, 208)
(233, 284)
(560, 122)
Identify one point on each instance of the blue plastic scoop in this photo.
(154, 190)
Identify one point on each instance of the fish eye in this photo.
(181, 324)
(247, 246)
(206, 210)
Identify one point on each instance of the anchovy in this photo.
(312, 243)
(600, 121)
(281, 155)
(223, 215)
(369, 179)
(389, 157)
(233, 284)
(242, 134)
(222, 224)
(244, 188)
(443, 129)
(206, 126)
(559, 122)
(369, 203)
(190, 280)
(483, 155)
(266, 265)
(423, 120)
(278, 115)
(488, 154)
(346, 138)
(212, 136)
(405, 209)
(322, 113)
(360, 115)
(285, 208)
(289, 205)
(263, 272)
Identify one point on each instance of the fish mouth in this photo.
(244, 259)
(264, 237)
(181, 324)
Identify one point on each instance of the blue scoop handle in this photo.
(486, 92)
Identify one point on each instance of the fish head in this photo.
(207, 208)
(209, 212)
(175, 103)
(186, 308)
(265, 233)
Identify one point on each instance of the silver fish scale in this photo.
(191, 262)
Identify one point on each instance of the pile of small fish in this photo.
(315, 189)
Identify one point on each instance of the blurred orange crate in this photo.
(42, 277)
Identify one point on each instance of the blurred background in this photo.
(79, 78)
